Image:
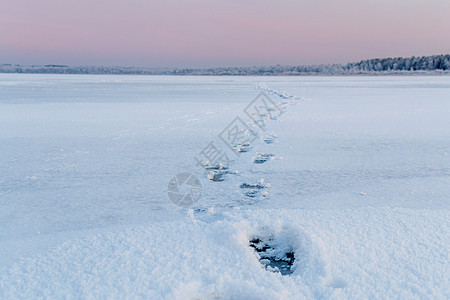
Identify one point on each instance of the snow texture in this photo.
(356, 188)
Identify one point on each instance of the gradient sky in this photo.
(199, 33)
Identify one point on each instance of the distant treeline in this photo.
(426, 64)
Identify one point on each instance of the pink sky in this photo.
(199, 33)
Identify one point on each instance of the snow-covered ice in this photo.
(357, 188)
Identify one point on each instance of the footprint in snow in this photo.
(217, 171)
(242, 148)
(272, 257)
(270, 139)
(252, 190)
(287, 250)
(261, 158)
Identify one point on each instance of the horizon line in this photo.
(56, 65)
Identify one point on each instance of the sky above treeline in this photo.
(203, 33)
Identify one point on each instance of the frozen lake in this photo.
(359, 187)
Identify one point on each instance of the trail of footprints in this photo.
(275, 252)
(272, 255)
(218, 172)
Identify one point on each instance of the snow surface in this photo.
(359, 188)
